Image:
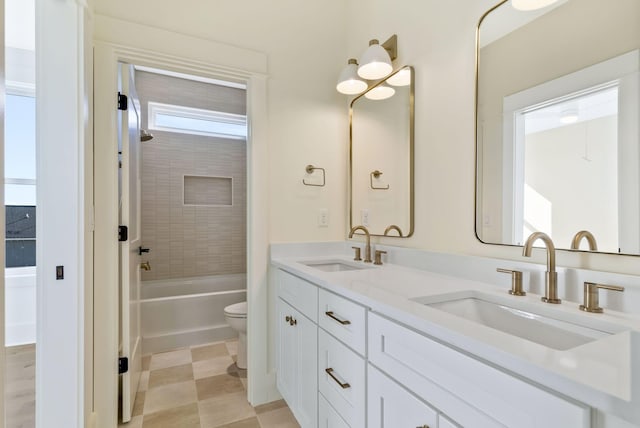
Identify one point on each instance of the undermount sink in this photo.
(333, 265)
(543, 329)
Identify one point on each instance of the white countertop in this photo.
(604, 373)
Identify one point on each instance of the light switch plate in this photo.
(323, 217)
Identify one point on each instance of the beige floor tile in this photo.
(183, 416)
(218, 385)
(209, 351)
(144, 381)
(146, 360)
(170, 359)
(244, 382)
(270, 406)
(232, 346)
(246, 423)
(170, 375)
(138, 405)
(280, 418)
(214, 366)
(225, 409)
(135, 422)
(173, 395)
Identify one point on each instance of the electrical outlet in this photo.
(364, 217)
(323, 217)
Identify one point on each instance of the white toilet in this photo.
(236, 316)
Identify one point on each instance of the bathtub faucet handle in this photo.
(142, 250)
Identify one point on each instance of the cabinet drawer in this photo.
(327, 416)
(445, 423)
(341, 379)
(388, 403)
(464, 388)
(299, 293)
(344, 319)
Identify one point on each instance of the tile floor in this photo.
(201, 387)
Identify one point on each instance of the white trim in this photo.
(185, 76)
(156, 109)
(261, 381)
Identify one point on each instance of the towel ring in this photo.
(309, 170)
(376, 174)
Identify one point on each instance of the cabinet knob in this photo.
(423, 426)
(591, 297)
(291, 320)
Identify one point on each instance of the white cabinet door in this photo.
(286, 374)
(327, 416)
(306, 411)
(297, 363)
(389, 405)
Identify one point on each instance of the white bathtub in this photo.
(188, 311)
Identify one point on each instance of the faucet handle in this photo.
(591, 296)
(378, 257)
(516, 282)
(357, 254)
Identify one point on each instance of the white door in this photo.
(130, 258)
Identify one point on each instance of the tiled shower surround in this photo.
(191, 240)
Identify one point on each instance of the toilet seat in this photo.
(237, 310)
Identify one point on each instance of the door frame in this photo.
(178, 53)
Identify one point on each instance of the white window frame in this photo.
(198, 114)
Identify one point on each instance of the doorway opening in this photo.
(183, 200)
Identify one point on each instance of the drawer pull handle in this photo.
(342, 385)
(343, 322)
(424, 426)
(291, 320)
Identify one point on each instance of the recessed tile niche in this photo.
(215, 191)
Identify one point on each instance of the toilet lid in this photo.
(237, 309)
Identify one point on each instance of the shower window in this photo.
(20, 178)
(188, 120)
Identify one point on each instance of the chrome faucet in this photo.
(551, 276)
(393, 227)
(575, 243)
(367, 248)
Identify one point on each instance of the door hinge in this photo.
(123, 233)
(122, 101)
(123, 365)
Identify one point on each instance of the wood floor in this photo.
(20, 387)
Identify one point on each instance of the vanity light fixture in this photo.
(401, 78)
(527, 5)
(349, 82)
(380, 92)
(375, 62)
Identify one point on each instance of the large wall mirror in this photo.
(557, 127)
(382, 139)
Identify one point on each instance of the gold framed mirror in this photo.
(381, 134)
(557, 132)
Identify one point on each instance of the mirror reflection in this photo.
(557, 125)
(382, 156)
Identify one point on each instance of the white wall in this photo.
(304, 42)
(438, 38)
